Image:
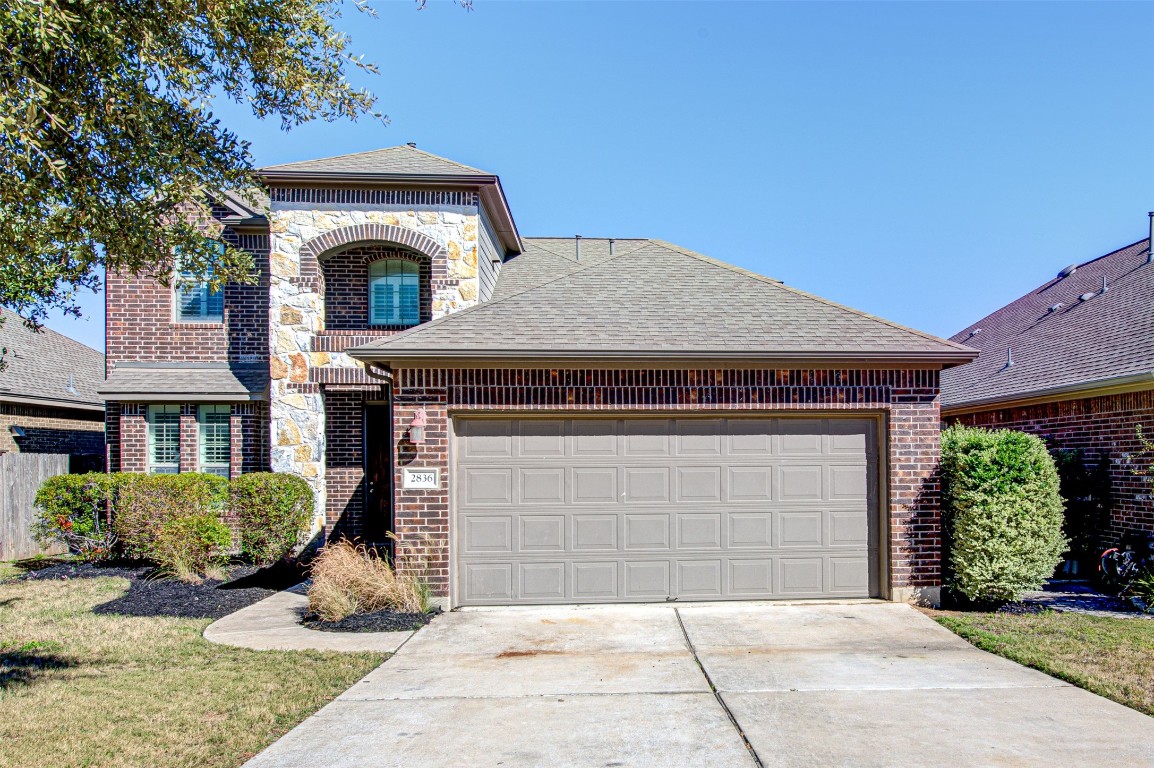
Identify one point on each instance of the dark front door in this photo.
(378, 473)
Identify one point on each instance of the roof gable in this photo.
(656, 300)
(400, 161)
(1078, 343)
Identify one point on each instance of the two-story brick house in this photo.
(548, 420)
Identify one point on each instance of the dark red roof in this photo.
(1079, 342)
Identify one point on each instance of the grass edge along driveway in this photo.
(1107, 656)
(80, 689)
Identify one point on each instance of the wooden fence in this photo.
(20, 476)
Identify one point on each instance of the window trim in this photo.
(215, 468)
(154, 467)
(207, 296)
(410, 267)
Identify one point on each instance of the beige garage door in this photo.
(654, 509)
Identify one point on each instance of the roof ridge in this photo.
(779, 284)
(635, 242)
(439, 157)
(397, 147)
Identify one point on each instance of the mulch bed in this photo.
(378, 621)
(152, 595)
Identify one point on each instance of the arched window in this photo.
(394, 292)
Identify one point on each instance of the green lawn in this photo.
(78, 689)
(1111, 657)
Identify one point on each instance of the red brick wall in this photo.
(1094, 425)
(909, 399)
(346, 276)
(140, 321)
(51, 430)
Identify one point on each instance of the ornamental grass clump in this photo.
(1002, 513)
(349, 579)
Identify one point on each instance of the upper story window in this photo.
(164, 439)
(215, 438)
(394, 292)
(195, 302)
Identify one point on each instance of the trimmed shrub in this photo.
(193, 547)
(73, 510)
(146, 502)
(272, 512)
(1002, 513)
(348, 579)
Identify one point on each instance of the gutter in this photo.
(78, 405)
(856, 359)
(1098, 387)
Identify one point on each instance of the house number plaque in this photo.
(416, 478)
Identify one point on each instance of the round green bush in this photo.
(1002, 513)
(272, 512)
(144, 503)
(191, 547)
(73, 510)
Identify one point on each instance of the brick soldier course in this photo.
(535, 327)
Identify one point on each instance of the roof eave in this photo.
(79, 405)
(127, 395)
(1095, 388)
(942, 359)
(487, 185)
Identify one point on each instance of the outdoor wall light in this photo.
(417, 427)
(16, 431)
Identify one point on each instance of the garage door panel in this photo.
(593, 580)
(542, 581)
(699, 531)
(698, 484)
(541, 485)
(545, 438)
(646, 578)
(595, 532)
(646, 484)
(648, 509)
(650, 531)
(801, 482)
(542, 533)
(594, 485)
(646, 437)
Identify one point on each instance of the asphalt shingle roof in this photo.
(1108, 336)
(403, 161)
(42, 365)
(156, 380)
(653, 299)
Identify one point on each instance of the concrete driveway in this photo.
(866, 684)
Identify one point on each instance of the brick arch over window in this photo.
(345, 277)
(313, 249)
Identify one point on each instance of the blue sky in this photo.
(926, 162)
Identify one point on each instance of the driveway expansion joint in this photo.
(716, 694)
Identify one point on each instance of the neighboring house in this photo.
(543, 420)
(1073, 362)
(48, 399)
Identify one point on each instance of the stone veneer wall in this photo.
(1094, 425)
(908, 398)
(305, 225)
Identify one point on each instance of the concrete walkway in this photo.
(274, 624)
(872, 684)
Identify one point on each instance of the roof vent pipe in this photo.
(577, 239)
(1009, 357)
(611, 244)
(1150, 248)
(1104, 288)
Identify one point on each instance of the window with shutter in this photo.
(394, 293)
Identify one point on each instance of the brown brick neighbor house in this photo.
(48, 399)
(547, 420)
(1073, 362)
